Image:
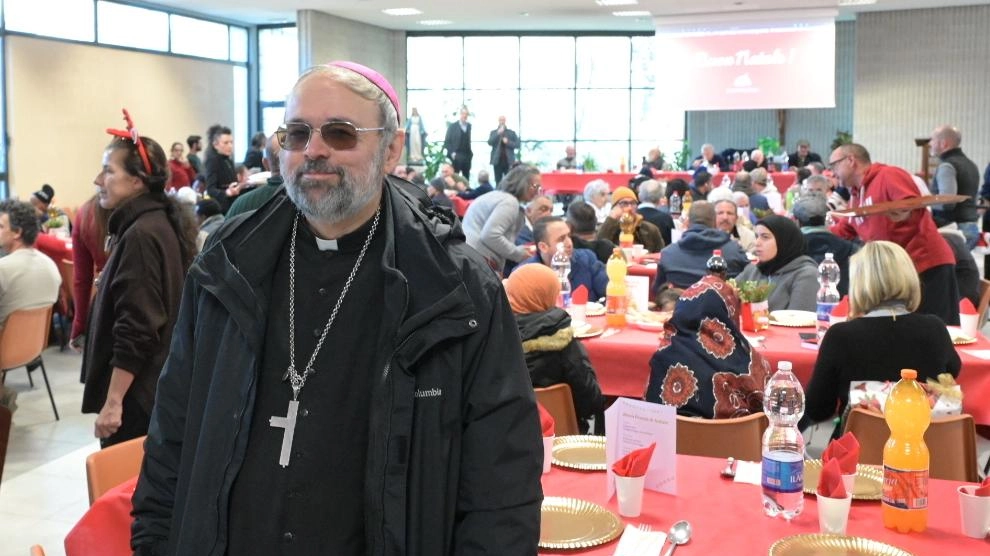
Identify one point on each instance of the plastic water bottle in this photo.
(716, 265)
(561, 264)
(828, 293)
(905, 456)
(783, 445)
(726, 182)
(675, 203)
(784, 165)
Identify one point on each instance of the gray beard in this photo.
(339, 202)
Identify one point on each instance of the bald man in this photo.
(254, 199)
(503, 142)
(956, 174)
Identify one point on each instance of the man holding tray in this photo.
(913, 229)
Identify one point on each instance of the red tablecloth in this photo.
(572, 182)
(781, 180)
(727, 517)
(105, 529)
(622, 363)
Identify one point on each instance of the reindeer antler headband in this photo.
(131, 133)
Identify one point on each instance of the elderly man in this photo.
(803, 155)
(817, 183)
(586, 269)
(651, 193)
(685, 262)
(956, 174)
(809, 211)
(596, 194)
(569, 162)
(726, 217)
(710, 160)
(484, 186)
(870, 183)
(757, 202)
(541, 206)
(408, 427)
(762, 186)
(504, 143)
(457, 143)
(756, 160)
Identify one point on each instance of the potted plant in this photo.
(754, 310)
(589, 164)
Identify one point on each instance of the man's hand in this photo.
(109, 419)
(234, 189)
(616, 212)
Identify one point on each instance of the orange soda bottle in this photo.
(616, 296)
(905, 456)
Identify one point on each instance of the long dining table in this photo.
(622, 362)
(727, 517)
(574, 182)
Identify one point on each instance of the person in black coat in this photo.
(553, 354)
(809, 210)
(457, 143)
(650, 194)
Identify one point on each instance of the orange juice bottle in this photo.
(616, 296)
(905, 456)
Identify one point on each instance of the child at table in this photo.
(667, 298)
(553, 355)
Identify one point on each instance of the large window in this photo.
(278, 69)
(124, 25)
(594, 92)
(63, 19)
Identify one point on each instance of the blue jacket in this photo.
(586, 270)
(686, 261)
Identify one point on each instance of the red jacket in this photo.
(182, 175)
(918, 234)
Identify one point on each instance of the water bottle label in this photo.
(824, 311)
(783, 476)
(565, 300)
(905, 489)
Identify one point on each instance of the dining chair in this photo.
(23, 338)
(739, 437)
(5, 421)
(559, 402)
(951, 442)
(981, 307)
(112, 466)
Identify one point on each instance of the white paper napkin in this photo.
(636, 542)
(749, 472)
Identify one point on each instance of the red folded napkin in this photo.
(841, 308)
(830, 482)
(579, 296)
(635, 463)
(845, 449)
(546, 420)
(984, 489)
(966, 307)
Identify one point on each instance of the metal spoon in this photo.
(680, 533)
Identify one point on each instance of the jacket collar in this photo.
(125, 215)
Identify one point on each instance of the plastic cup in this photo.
(833, 513)
(630, 493)
(974, 512)
(638, 250)
(849, 481)
(578, 313)
(547, 452)
(968, 324)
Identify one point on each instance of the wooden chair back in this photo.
(65, 290)
(984, 304)
(5, 422)
(559, 402)
(24, 336)
(112, 466)
(740, 437)
(951, 442)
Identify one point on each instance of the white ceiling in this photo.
(519, 15)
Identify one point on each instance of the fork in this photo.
(645, 540)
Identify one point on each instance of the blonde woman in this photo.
(882, 336)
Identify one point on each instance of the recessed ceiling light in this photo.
(856, 2)
(616, 2)
(401, 11)
(435, 22)
(631, 13)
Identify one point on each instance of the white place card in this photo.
(639, 292)
(634, 424)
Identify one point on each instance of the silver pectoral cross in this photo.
(288, 424)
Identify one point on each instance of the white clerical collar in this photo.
(326, 244)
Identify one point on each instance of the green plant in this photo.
(682, 158)
(589, 163)
(768, 145)
(433, 157)
(841, 138)
(752, 291)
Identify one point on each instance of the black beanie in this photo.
(46, 194)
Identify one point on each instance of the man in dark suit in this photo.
(458, 144)
(650, 194)
(504, 142)
(803, 155)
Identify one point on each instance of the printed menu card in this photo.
(634, 424)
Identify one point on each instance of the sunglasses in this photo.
(339, 136)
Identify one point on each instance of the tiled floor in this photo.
(43, 492)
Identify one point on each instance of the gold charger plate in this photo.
(568, 523)
(587, 331)
(582, 452)
(817, 544)
(868, 484)
(796, 319)
(958, 337)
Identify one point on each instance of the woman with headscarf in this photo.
(704, 366)
(553, 355)
(781, 261)
(151, 246)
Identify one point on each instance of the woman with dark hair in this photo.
(89, 256)
(781, 261)
(255, 153)
(704, 366)
(137, 300)
(493, 220)
(221, 178)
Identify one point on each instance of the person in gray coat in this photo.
(493, 220)
(782, 262)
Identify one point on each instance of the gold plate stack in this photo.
(817, 544)
(868, 484)
(569, 523)
(581, 452)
